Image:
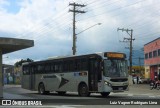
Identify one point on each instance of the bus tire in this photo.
(61, 92)
(41, 89)
(47, 92)
(83, 90)
(105, 94)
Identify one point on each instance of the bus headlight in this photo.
(107, 83)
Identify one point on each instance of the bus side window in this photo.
(71, 65)
(96, 64)
(60, 67)
(47, 68)
(27, 70)
(35, 69)
(84, 64)
(78, 62)
(65, 66)
(41, 68)
(24, 70)
(75, 65)
(52, 68)
(32, 69)
(38, 68)
(56, 67)
(99, 65)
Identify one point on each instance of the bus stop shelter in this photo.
(8, 45)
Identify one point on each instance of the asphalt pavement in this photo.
(72, 100)
(137, 90)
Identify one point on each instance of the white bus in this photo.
(93, 73)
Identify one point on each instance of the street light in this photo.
(89, 28)
(74, 37)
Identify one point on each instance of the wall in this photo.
(147, 72)
(152, 46)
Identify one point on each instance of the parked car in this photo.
(140, 80)
(146, 80)
(134, 79)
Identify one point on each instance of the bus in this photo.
(103, 73)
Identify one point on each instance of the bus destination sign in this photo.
(114, 55)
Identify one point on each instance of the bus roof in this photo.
(98, 54)
(62, 57)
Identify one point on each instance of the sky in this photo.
(49, 23)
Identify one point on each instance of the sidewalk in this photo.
(14, 96)
(142, 89)
(11, 92)
(11, 85)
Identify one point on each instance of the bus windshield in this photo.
(115, 68)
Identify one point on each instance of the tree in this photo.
(138, 71)
(19, 63)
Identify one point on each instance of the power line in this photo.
(111, 10)
(46, 28)
(104, 4)
(45, 31)
(34, 28)
(93, 2)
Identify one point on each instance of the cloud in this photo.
(2, 4)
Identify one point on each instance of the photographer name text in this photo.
(133, 103)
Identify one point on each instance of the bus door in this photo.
(32, 78)
(93, 75)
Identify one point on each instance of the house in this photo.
(152, 59)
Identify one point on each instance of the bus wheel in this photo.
(83, 90)
(105, 94)
(47, 92)
(41, 89)
(61, 92)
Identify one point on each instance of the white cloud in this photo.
(3, 3)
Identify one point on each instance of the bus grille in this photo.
(119, 87)
(119, 80)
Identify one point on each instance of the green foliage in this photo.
(19, 63)
(138, 71)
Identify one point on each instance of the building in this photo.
(152, 59)
(7, 73)
(11, 74)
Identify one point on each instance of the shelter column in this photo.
(1, 85)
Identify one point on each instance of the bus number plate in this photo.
(120, 88)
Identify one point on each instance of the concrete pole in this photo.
(74, 27)
(74, 23)
(1, 85)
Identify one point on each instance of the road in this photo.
(72, 100)
(140, 91)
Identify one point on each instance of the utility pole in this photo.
(74, 22)
(140, 65)
(139, 62)
(130, 33)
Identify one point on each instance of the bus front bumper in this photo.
(116, 88)
(120, 88)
